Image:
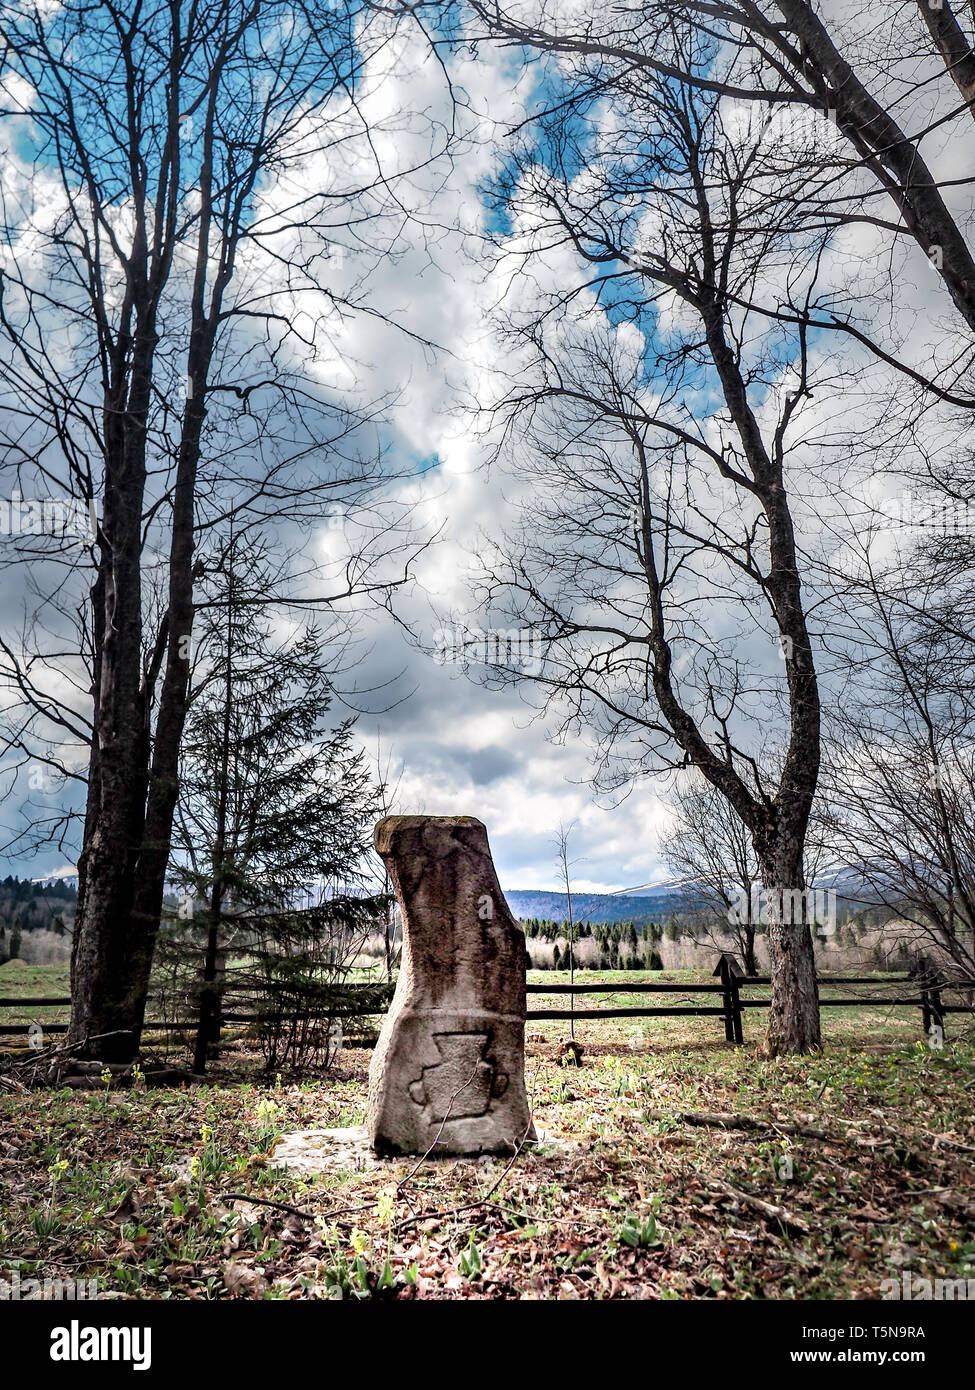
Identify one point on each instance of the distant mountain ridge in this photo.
(591, 907)
(850, 889)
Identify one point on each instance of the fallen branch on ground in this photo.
(768, 1210)
(716, 1120)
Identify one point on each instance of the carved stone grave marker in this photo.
(448, 1072)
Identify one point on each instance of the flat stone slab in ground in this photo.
(343, 1150)
(325, 1151)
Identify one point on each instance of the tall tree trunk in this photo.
(163, 781)
(129, 821)
(953, 45)
(106, 1010)
(794, 1014)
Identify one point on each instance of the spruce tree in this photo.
(276, 804)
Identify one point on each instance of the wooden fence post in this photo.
(937, 1012)
(932, 1010)
(729, 972)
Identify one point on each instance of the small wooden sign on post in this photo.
(730, 972)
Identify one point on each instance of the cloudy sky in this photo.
(457, 746)
(453, 746)
(467, 749)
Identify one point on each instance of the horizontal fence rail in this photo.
(625, 988)
(926, 995)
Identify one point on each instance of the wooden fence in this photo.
(726, 990)
(151, 1026)
(728, 985)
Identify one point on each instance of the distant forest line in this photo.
(42, 912)
(612, 931)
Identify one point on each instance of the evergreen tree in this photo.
(276, 804)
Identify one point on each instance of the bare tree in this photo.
(711, 851)
(710, 848)
(187, 180)
(657, 563)
(899, 782)
(886, 176)
(562, 842)
(786, 55)
(793, 72)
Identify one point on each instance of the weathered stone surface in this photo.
(311, 1151)
(448, 1072)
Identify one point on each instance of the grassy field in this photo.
(827, 1176)
(21, 981)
